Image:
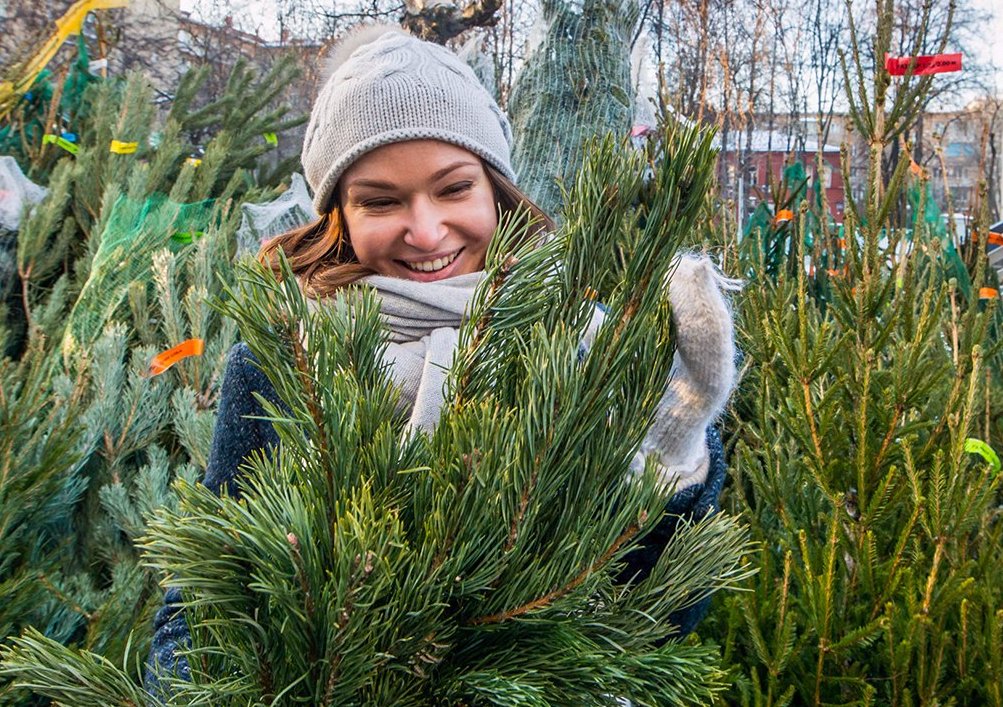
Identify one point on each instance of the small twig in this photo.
(25, 277)
(64, 598)
(550, 597)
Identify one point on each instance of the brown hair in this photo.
(321, 254)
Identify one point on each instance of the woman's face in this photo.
(420, 210)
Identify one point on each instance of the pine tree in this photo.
(364, 564)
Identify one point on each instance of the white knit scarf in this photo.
(423, 320)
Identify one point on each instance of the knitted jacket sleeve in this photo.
(686, 446)
(236, 435)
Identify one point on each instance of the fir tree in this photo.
(365, 564)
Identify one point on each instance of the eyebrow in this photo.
(378, 184)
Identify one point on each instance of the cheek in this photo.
(485, 220)
(365, 238)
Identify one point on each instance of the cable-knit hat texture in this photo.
(394, 88)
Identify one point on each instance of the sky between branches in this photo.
(259, 16)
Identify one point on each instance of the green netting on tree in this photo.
(133, 232)
(929, 224)
(575, 84)
(26, 124)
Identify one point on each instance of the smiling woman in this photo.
(408, 157)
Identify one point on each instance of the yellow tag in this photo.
(163, 361)
(193, 161)
(123, 148)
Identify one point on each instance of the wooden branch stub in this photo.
(440, 22)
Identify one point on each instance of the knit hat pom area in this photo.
(386, 86)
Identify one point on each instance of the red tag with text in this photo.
(925, 64)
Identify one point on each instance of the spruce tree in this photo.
(575, 84)
(366, 564)
(115, 265)
(863, 433)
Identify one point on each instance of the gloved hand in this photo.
(702, 375)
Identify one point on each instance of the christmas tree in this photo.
(114, 265)
(862, 436)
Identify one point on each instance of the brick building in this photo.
(753, 165)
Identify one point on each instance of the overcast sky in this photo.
(258, 16)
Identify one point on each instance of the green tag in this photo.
(187, 236)
(977, 446)
(49, 139)
(272, 139)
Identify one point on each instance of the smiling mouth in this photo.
(431, 265)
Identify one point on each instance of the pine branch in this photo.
(556, 594)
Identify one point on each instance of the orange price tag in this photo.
(162, 361)
(995, 238)
(988, 293)
(783, 216)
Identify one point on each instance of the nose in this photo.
(426, 228)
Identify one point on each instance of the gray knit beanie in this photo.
(394, 88)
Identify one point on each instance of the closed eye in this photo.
(377, 204)
(458, 188)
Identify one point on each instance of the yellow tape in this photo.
(70, 23)
(123, 148)
(72, 20)
(193, 161)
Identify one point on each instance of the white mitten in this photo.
(702, 375)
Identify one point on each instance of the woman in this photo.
(408, 158)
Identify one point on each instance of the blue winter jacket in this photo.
(237, 434)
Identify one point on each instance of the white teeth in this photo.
(433, 265)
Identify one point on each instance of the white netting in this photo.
(259, 222)
(574, 84)
(16, 192)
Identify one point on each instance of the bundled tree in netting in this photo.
(575, 84)
(368, 562)
(863, 436)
